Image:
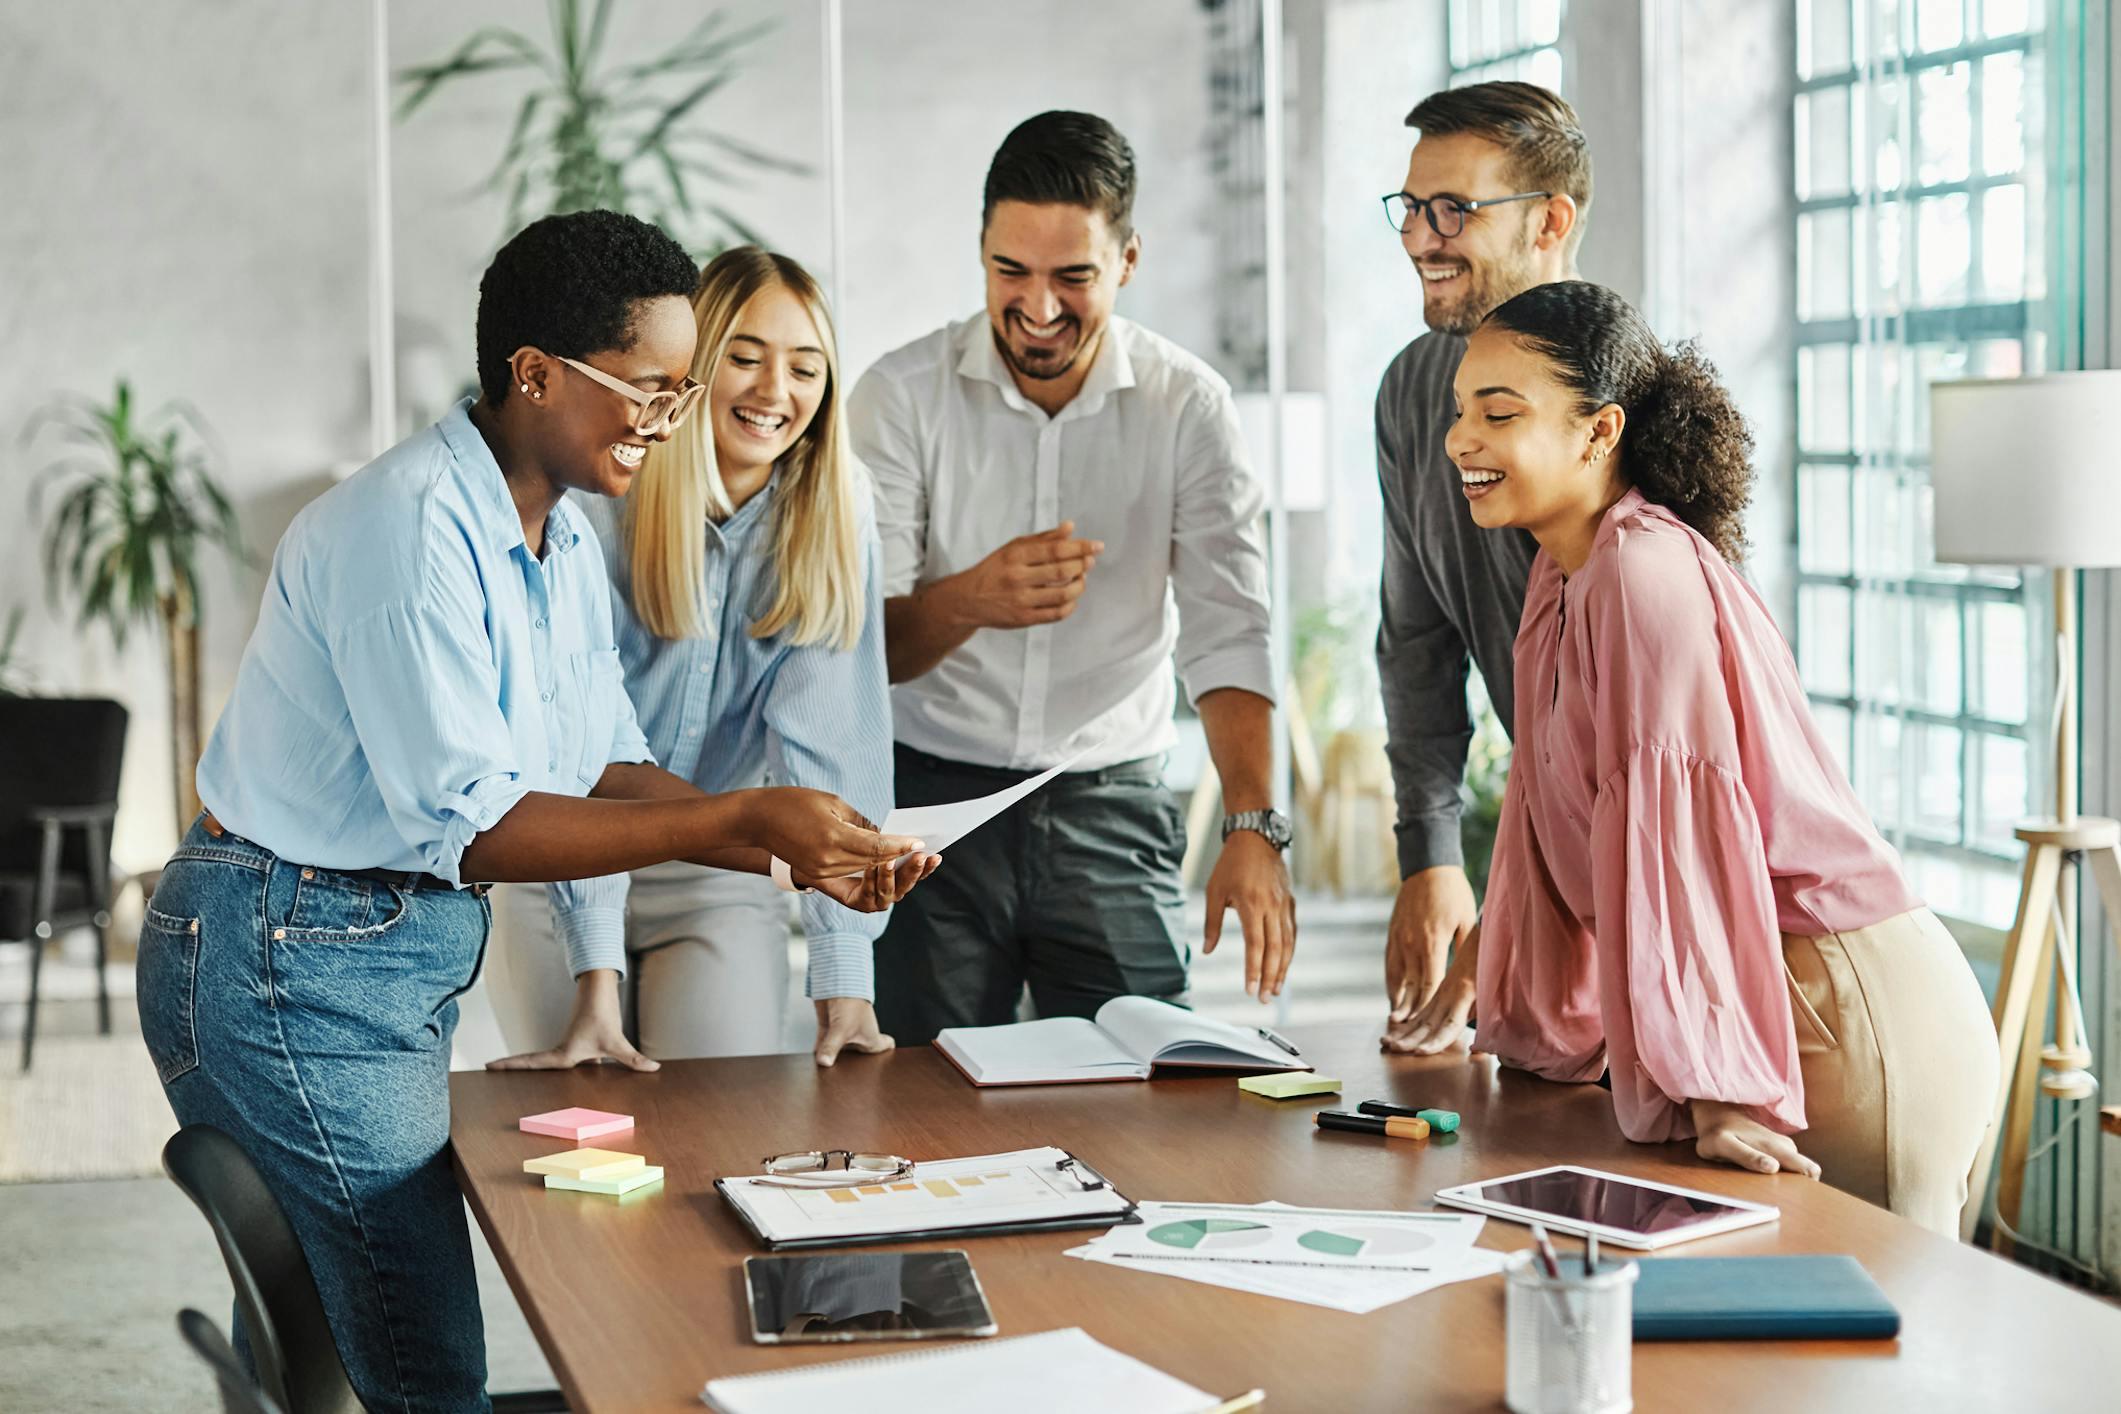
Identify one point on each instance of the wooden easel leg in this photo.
(2024, 1072)
(2106, 872)
(2014, 994)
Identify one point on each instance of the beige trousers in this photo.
(707, 952)
(1899, 1060)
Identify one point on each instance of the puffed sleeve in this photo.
(1689, 953)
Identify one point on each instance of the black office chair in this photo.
(239, 1395)
(299, 1369)
(59, 763)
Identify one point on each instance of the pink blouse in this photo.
(1671, 812)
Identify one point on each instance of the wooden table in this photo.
(637, 1305)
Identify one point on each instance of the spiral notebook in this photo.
(1047, 1373)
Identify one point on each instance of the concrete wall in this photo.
(185, 205)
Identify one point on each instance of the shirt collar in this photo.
(1112, 370)
(1629, 504)
(481, 475)
(749, 514)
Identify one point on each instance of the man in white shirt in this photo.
(1064, 499)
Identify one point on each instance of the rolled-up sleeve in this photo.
(828, 722)
(424, 696)
(883, 430)
(1218, 555)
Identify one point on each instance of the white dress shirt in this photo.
(1148, 457)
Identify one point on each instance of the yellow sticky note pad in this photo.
(1289, 1085)
(585, 1164)
(624, 1183)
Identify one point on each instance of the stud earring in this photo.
(524, 386)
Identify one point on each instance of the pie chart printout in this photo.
(1211, 1234)
(1356, 1240)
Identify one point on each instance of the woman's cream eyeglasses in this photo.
(654, 413)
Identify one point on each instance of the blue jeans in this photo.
(308, 1013)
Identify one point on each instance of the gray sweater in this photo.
(1451, 591)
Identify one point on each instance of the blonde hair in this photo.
(817, 545)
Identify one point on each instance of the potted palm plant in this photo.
(137, 510)
(621, 136)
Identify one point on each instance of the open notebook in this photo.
(1055, 1371)
(1130, 1037)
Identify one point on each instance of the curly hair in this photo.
(1685, 445)
(572, 285)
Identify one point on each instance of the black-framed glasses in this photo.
(1446, 214)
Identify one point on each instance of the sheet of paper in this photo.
(1357, 1292)
(941, 826)
(1233, 1245)
(1186, 1234)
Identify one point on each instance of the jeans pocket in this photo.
(333, 907)
(167, 983)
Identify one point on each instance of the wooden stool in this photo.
(2038, 952)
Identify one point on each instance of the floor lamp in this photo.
(2027, 471)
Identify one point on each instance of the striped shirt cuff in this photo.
(841, 965)
(593, 937)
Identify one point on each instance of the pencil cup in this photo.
(1570, 1338)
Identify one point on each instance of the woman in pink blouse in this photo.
(1685, 892)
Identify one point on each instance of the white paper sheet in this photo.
(1259, 1249)
(941, 826)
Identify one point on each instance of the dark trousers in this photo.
(1073, 891)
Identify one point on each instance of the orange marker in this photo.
(1390, 1127)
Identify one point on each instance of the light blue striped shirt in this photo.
(416, 671)
(726, 711)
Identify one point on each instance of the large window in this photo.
(1506, 39)
(1919, 257)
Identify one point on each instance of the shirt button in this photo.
(309, 873)
(545, 697)
(552, 765)
(537, 623)
(279, 935)
(701, 668)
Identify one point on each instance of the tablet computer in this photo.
(864, 1296)
(1627, 1212)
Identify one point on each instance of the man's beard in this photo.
(1051, 363)
(1487, 287)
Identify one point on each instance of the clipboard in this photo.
(923, 1176)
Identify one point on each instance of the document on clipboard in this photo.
(1030, 1190)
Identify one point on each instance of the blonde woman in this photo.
(747, 605)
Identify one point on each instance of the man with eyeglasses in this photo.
(1493, 204)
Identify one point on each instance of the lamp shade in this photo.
(2027, 471)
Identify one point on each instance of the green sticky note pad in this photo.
(1290, 1085)
(614, 1187)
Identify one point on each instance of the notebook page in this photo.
(1159, 1031)
(1056, 1048)
(1052, 1371)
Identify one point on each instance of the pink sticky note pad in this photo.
(576, 1124)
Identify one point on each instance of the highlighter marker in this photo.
(1391, 1128)
(1442, 1121)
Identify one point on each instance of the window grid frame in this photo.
(1963, 324)
(1456, 71)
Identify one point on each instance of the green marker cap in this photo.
(1442, 1121)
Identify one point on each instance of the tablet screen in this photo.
(865, 1296)
(1608, 1201)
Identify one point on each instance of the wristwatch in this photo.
(1270, 825)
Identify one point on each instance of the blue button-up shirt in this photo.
(416, 671)
(727, 711)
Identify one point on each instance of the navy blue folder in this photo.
(1760, 1298)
